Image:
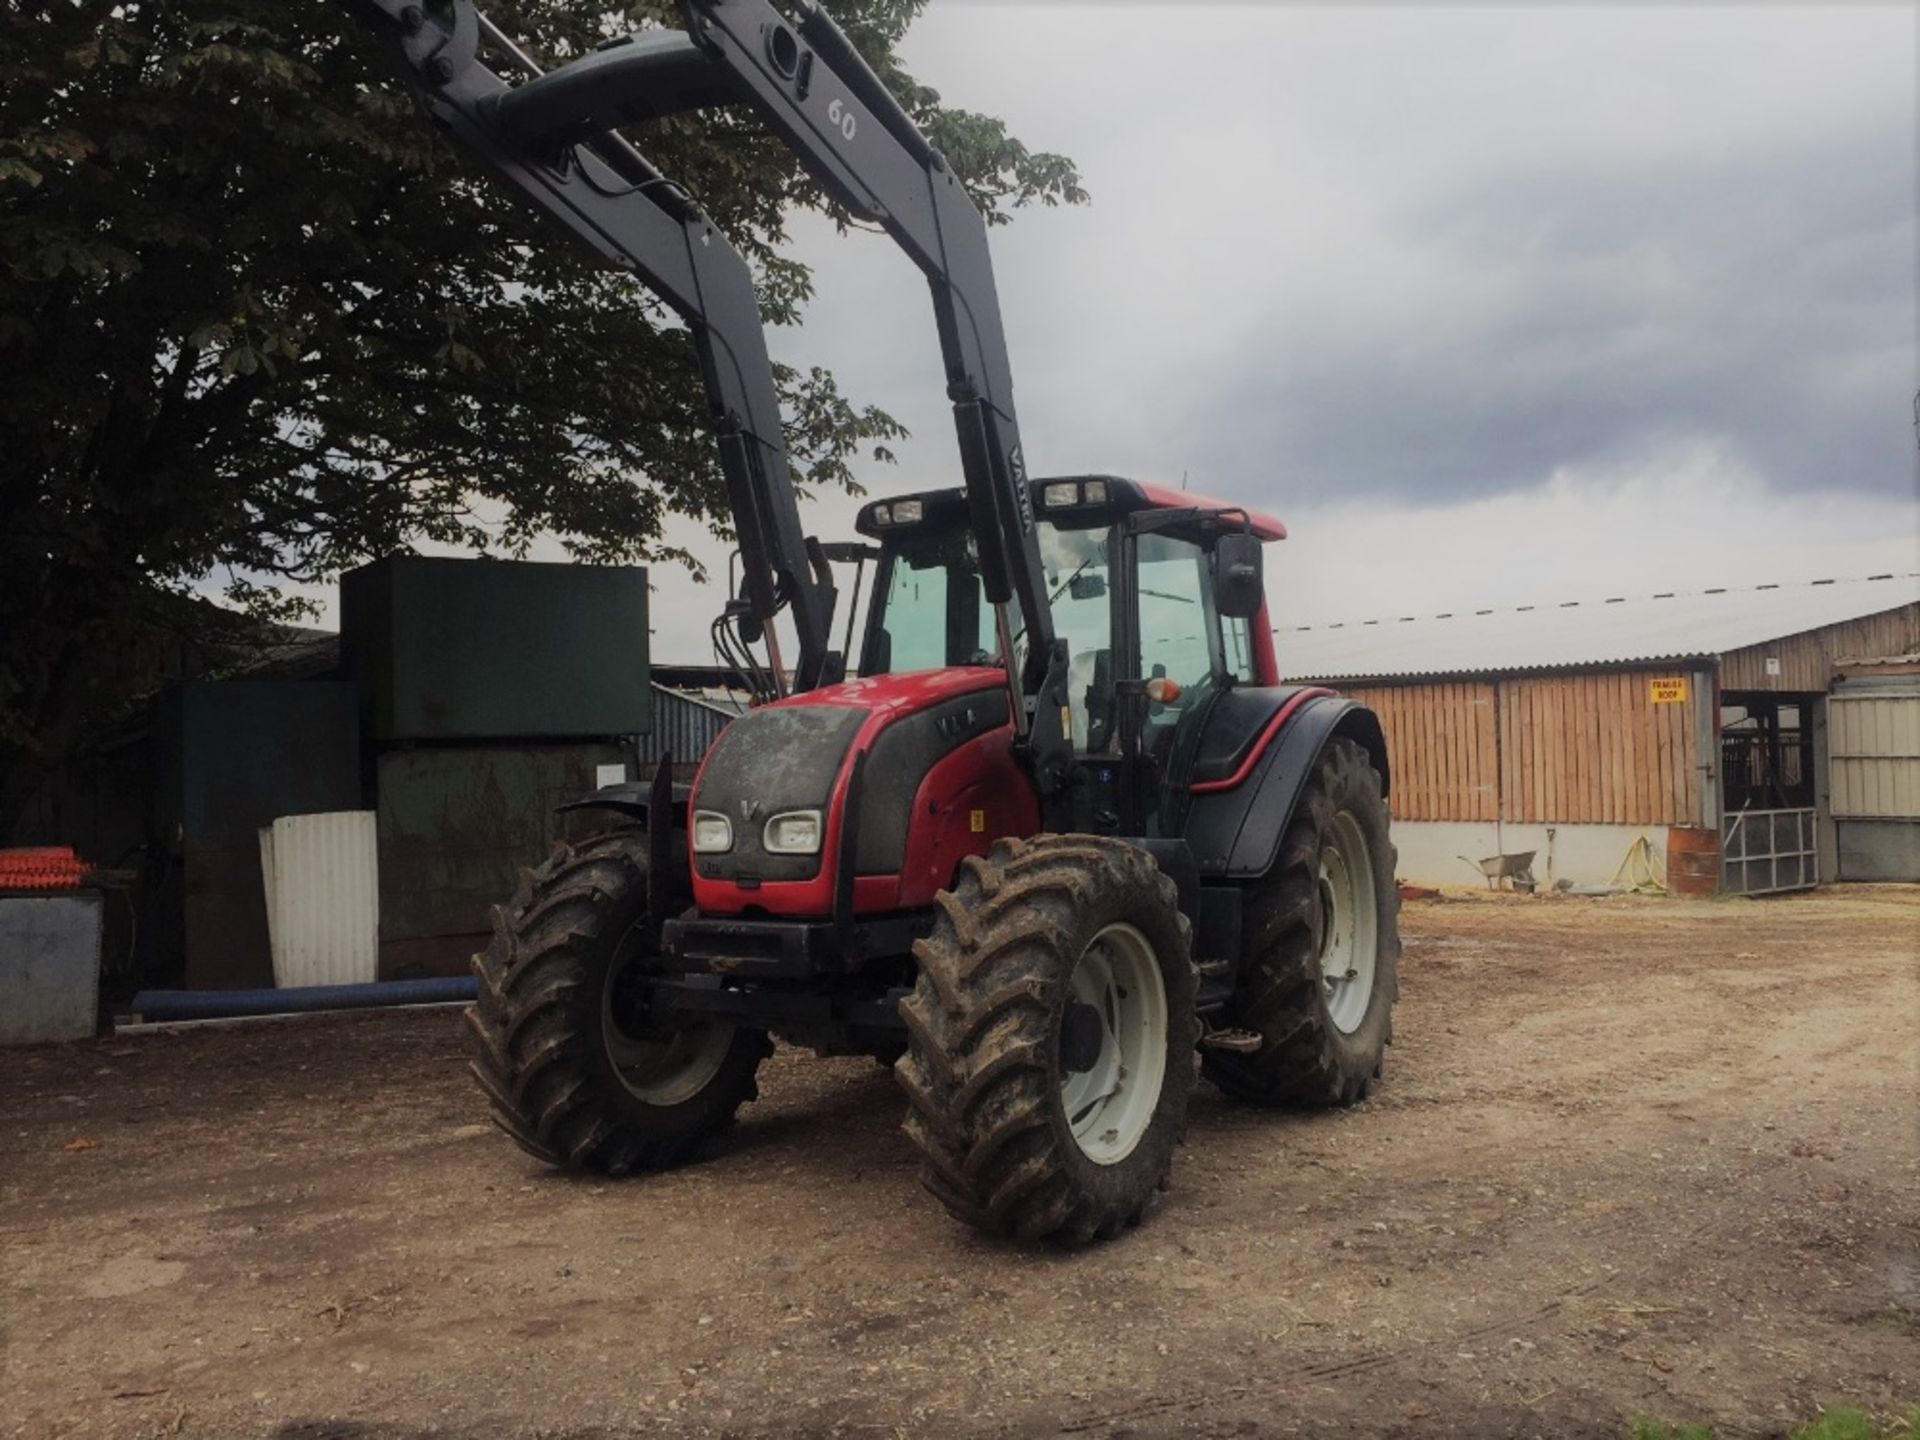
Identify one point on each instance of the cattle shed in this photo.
(1733, 740)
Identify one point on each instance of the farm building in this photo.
(455, 746)
(1755, 739)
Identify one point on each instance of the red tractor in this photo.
(1065, 831)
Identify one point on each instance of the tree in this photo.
(258, 323)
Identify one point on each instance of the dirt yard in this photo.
(1632, 1158)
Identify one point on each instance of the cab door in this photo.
(1181, 659)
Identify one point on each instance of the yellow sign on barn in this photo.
(1670, 692)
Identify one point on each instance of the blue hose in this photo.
(225, 1004)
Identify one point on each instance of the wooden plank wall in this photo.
(1564, 749)
(1441, 745)
(1596, 749)
(1809, 661)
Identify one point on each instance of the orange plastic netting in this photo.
(46, 867)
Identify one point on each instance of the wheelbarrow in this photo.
(1516, 868)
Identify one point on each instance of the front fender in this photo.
(1235, 833)
(669, 877)
(633, 800)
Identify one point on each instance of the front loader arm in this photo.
(554, 138)
(603, 192)
(817, 92)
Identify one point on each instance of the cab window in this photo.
(1238, 646)
(1179, 631)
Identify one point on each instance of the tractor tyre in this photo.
(1050, 1038)
(1319, 970)
(572, 1069)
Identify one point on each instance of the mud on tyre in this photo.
(1051, 1036)
(1319, 971)
(572, 1069)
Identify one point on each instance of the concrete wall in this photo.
(1879, 850)
(49, 966)
(1430, 850)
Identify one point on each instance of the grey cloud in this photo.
(1761, 300)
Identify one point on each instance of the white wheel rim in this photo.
(1349, 924)
(1110, 1104)
(667, 1068)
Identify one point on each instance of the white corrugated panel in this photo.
(1874, 742)
(1584, 632)
(323, 898)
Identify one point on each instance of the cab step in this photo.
(1241, 1042)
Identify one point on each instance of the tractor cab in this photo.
(1134, 577)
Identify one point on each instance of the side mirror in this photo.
(1238, 591)
(1087, 587)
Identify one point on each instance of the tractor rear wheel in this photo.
(1320, 969)
(1050, 1038)
(572, 1067)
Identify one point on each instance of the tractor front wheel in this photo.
(1050, 1038)
(573, 1066)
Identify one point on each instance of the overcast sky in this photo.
(1490, 304)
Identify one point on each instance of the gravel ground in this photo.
(1632, 1157)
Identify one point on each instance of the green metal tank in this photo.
(455, 649)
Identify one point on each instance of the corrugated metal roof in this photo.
(1583, 632)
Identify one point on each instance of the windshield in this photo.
(932, 613)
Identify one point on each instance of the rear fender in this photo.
(1235, 833)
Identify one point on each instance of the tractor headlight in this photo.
(712, 833)
(1063, 494)
(796, 832)
(899, 512)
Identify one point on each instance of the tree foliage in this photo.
(258, 322)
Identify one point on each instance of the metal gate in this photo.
(1766, 851)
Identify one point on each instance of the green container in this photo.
(456, 824)
(447, 649)
(229, 757)
(233, 755)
